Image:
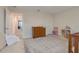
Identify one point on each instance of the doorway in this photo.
(13, 26)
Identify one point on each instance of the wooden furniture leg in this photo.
(70, 43)
(76, 44)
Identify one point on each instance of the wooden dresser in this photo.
(38, 32)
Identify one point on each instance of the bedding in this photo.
(11, 39)
(18, 47)
(48, 44)
(15, 45)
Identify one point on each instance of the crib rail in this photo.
(75, 38)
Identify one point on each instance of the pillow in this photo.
(2, 41)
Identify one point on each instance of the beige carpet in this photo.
(48, 44)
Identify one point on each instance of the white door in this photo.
(8, 23)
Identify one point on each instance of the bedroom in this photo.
(47, 17)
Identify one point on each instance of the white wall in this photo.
(36, 19)
(70, 18)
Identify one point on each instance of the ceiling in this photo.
(47, 9)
